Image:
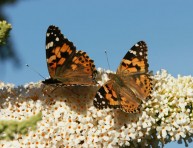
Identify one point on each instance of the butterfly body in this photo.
(117, 79)
(130, 85)
(66, 65)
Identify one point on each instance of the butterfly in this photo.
(130, 85)
(66, 65)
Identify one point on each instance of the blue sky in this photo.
(96, 26)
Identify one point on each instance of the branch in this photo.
(70, 119)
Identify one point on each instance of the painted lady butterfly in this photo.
(66, 65)
(130, 85)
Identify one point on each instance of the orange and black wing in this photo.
(58, 50)
(134, 71)
(112, 95)
(135, 61)
(130, 85)
(107, 96)
(67, 65)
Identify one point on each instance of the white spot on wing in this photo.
(99, 94)
(49, 45)
(48, 34)
(136, 45)
(57, 39)
(133, 52)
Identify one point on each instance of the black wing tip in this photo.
(53, 27)
(57, 33)
(55, 30)
(141, 42)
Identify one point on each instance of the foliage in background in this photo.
(4, 31)
(9, 128)
(2, 2)
(7, 51)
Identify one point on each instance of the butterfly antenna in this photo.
(107, 59)
(35, 71)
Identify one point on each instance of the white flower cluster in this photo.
(69, 118)
(171, 106)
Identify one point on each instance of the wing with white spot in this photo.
(135, 61)
(133, 71)
(66, 64)
(106, 96)
(112, 95)
(58, 49)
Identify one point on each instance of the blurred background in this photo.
(96, 26)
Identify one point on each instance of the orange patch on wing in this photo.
(69, 51)
(74, 66)
(123, 68)
(111, 100)
(114, 94)
(129, 106)
(56, 50)
(126, 61)
(61, 61)
(133, 69)
(64, 48)
(138, 82)
(74, 59)
(52, 58)
(147, 85)
(135, 60)
(139, 63)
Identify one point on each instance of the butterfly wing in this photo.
(112, 95)
(107, 96)
(80, 71)
(133, 70)
(128, 104)
(58, 50)
(141, 84)
(135, 61)
(65, 64)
